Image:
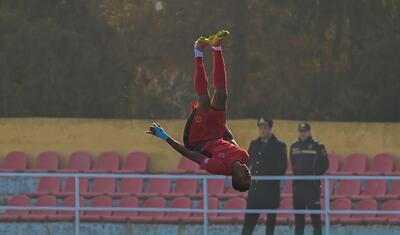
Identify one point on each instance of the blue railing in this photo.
(327, 211)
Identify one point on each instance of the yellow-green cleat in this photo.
(217, 37)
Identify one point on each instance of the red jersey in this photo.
(223, 154)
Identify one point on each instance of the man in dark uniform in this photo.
(268, 156)
(308, 157)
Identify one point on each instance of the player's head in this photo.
(241, 177)
(304, 131)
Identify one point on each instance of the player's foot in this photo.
(216, 39)
(201, 43)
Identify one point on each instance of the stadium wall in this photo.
(34, 135)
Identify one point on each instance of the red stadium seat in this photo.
(79, 161)
(40, 215)
(173, 217)
(107, 162)
(121, 216)
(100, 201)
(186, 165)
(157, 187)
(288, 190)
(197, 217)
(394, 192)
(12, 215)
(15, 161)
(135, 162)
(183, 187)
(374, 188)
(47, 185)
(284, 218)
(214, 187)
(334, 163)
(69, 215)
(347, 188)
(365, 204)
(102, 186)
(355, 163)
(237, 203)
(70, 187)
(149, 216)
(289, 170)
(385, 218)
(46, 162)
(129, 187)
(340, 204)
(331, 184)
(382, 163)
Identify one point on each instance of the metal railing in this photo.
(78, 208)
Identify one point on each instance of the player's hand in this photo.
(156, 130)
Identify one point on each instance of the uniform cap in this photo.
(304, 127)
(265, 121)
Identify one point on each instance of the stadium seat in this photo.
(174, 217)
(355, 163)
(150, 216)
(237, 203)
(135, 162)
(331, 184)
(347, 188)
(186, 165)
(284, 218)
(183, 187)
(79, 161)
(41, 215)
(214, 187)
(289, 170)
(288, 189)
(122, 216)
(382, 163)
(230, 193)
(69, 215)
(47, 185)
(70, 187)
(100, 201)
(107, 162)
(197, 217)
(129, 187)
(157, 187)
(373, 189)
(393, 193)
(14, 162)
(340, 204)
(365, 204)
(46, 162)
(13, 215)
(334, 163)
(101, 186)
(386, 218)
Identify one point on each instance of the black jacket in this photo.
(308, 157)
(268, 158)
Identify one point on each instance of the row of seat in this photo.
(237, 203)
(79, 161)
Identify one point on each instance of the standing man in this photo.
(308, 157)
(268, 156)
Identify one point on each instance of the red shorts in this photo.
(203, 126)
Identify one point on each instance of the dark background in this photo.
(320, 60)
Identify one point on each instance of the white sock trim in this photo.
(218, 48)
(198, 53)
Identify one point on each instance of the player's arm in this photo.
(157, 130)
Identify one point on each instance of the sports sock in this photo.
(200, 77)
(219, 73)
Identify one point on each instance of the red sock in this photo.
(200, 77)
(219, 73)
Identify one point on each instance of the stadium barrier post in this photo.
(327, 206)
(77, 205)
(205, 206)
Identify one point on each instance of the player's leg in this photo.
(299, 203)
(219, 100)
(271, 221)
(200, 76)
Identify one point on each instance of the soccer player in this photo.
(207, 140)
